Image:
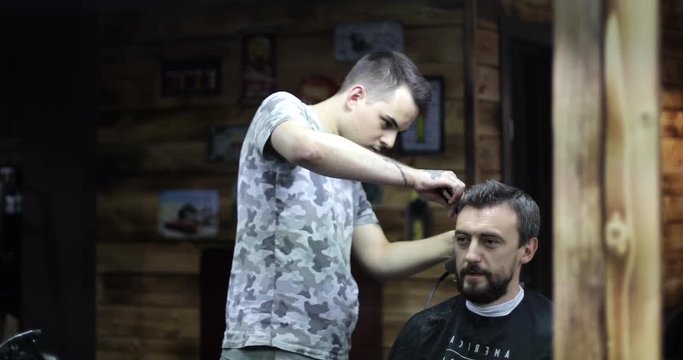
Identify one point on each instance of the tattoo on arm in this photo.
(405, 181)
(435, 174)
(403, 175)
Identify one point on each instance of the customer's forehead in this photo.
(500, 216)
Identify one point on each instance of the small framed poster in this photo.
(188, 214)
(258, 67)
(425, 135)
(188, 77)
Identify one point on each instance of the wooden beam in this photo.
(579, 270)
(607, 180)
(632, 231)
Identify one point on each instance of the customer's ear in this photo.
(529, 250)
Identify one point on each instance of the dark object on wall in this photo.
(353, 40)
(200, 76)
(418, 222)
(258, 67)
(316, 88)
(225, 143)
(425, 135)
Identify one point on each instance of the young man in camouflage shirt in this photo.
(302, 211)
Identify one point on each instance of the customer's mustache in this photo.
(473, 269)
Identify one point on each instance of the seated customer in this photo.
(493, 317)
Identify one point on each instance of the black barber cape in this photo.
(450, 331)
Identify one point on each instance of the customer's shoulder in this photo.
(537, 298)
(441, 309)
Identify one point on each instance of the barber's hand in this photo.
(440, 186)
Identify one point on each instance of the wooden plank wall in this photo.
(487, 97)
(488, 141)
(147, 286)
(672, 151)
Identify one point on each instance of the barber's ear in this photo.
(529, 250)
(355, 95)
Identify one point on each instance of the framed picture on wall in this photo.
(188, 77)
(425, 135)
(188, 214)
(258, 67)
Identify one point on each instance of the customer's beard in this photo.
(495, 287)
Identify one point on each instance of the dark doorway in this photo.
(526, 64)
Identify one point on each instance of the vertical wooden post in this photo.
(578, 260)
(607, 192)
(632, 187)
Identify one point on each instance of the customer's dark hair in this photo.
(381, 72)
(491, 193)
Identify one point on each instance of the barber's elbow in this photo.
(306, 154)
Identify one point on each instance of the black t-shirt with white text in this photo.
(450, 331)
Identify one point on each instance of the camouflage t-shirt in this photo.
(291, 285)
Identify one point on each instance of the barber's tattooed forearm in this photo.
(403, 175)
(435, 174)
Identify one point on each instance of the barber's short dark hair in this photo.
(382, 72)
(491, 193)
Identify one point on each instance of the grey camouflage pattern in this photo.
(291, 284)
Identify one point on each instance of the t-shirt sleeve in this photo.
(364, 214)
(274, 110)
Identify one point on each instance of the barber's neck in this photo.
(330, 112)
